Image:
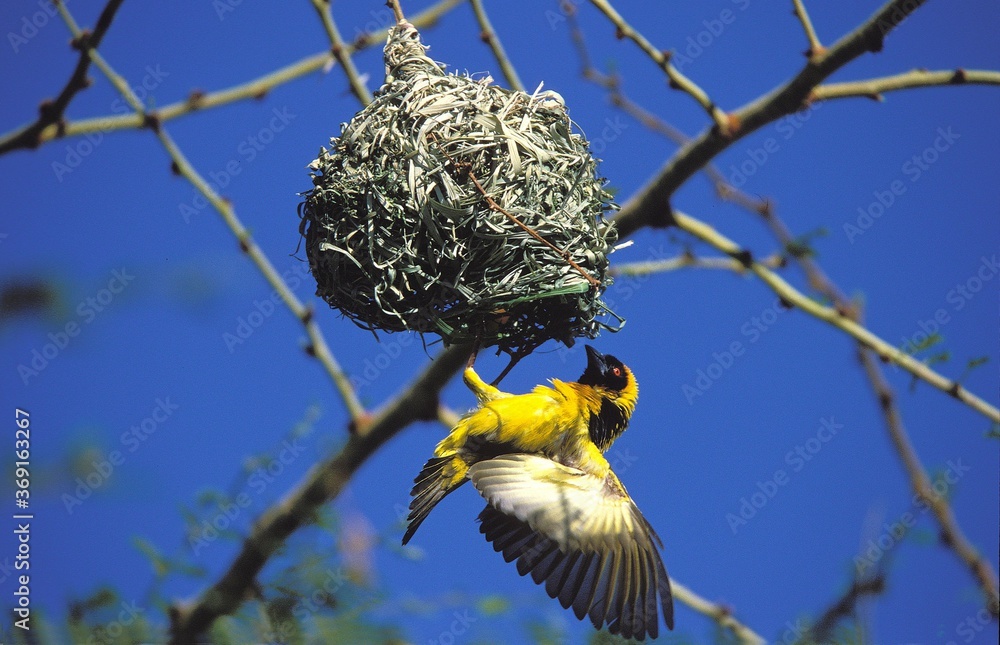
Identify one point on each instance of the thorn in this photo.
(885, 400)
(814, 53)
(744, 257)
(359, 425)
(259, 96)
(245, 246)
(174, 168)
(81, 42)
(152, 121)
(955, 389)
(307, 315)
(782, 301)
(195, 98)
(485, 36)
(619, 33)
(362, 41)
(46, 110)
(733, 125)
(310, 350)
(959, 77)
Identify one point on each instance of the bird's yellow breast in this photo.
(551, 421)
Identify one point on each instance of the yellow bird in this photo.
(553, 502)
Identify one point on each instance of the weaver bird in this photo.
(553, 502)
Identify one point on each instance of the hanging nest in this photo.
(453, 206)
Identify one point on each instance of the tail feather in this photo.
(439, 476)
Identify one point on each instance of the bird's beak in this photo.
(595, 361)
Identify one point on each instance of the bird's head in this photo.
(617, 391)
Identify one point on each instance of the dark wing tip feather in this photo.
(429, 488)
(617, 589)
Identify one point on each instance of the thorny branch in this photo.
(651, 206)
(50, 112)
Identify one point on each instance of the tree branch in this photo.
(815, 47)
(831, 315)
(873, 88)
(342, 52)
(198, 100)
(321, 484)
(844, 607)
(688, 260)
(318, 347)
(50, 112)
(662, 59)
(650, 207)
(612, 84)
(720, 614)
(952, 535)
(489, 36)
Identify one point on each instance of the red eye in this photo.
(617, 371)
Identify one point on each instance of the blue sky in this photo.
(151, 281)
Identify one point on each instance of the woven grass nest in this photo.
(453, 206)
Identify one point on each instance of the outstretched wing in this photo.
(581, 535)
